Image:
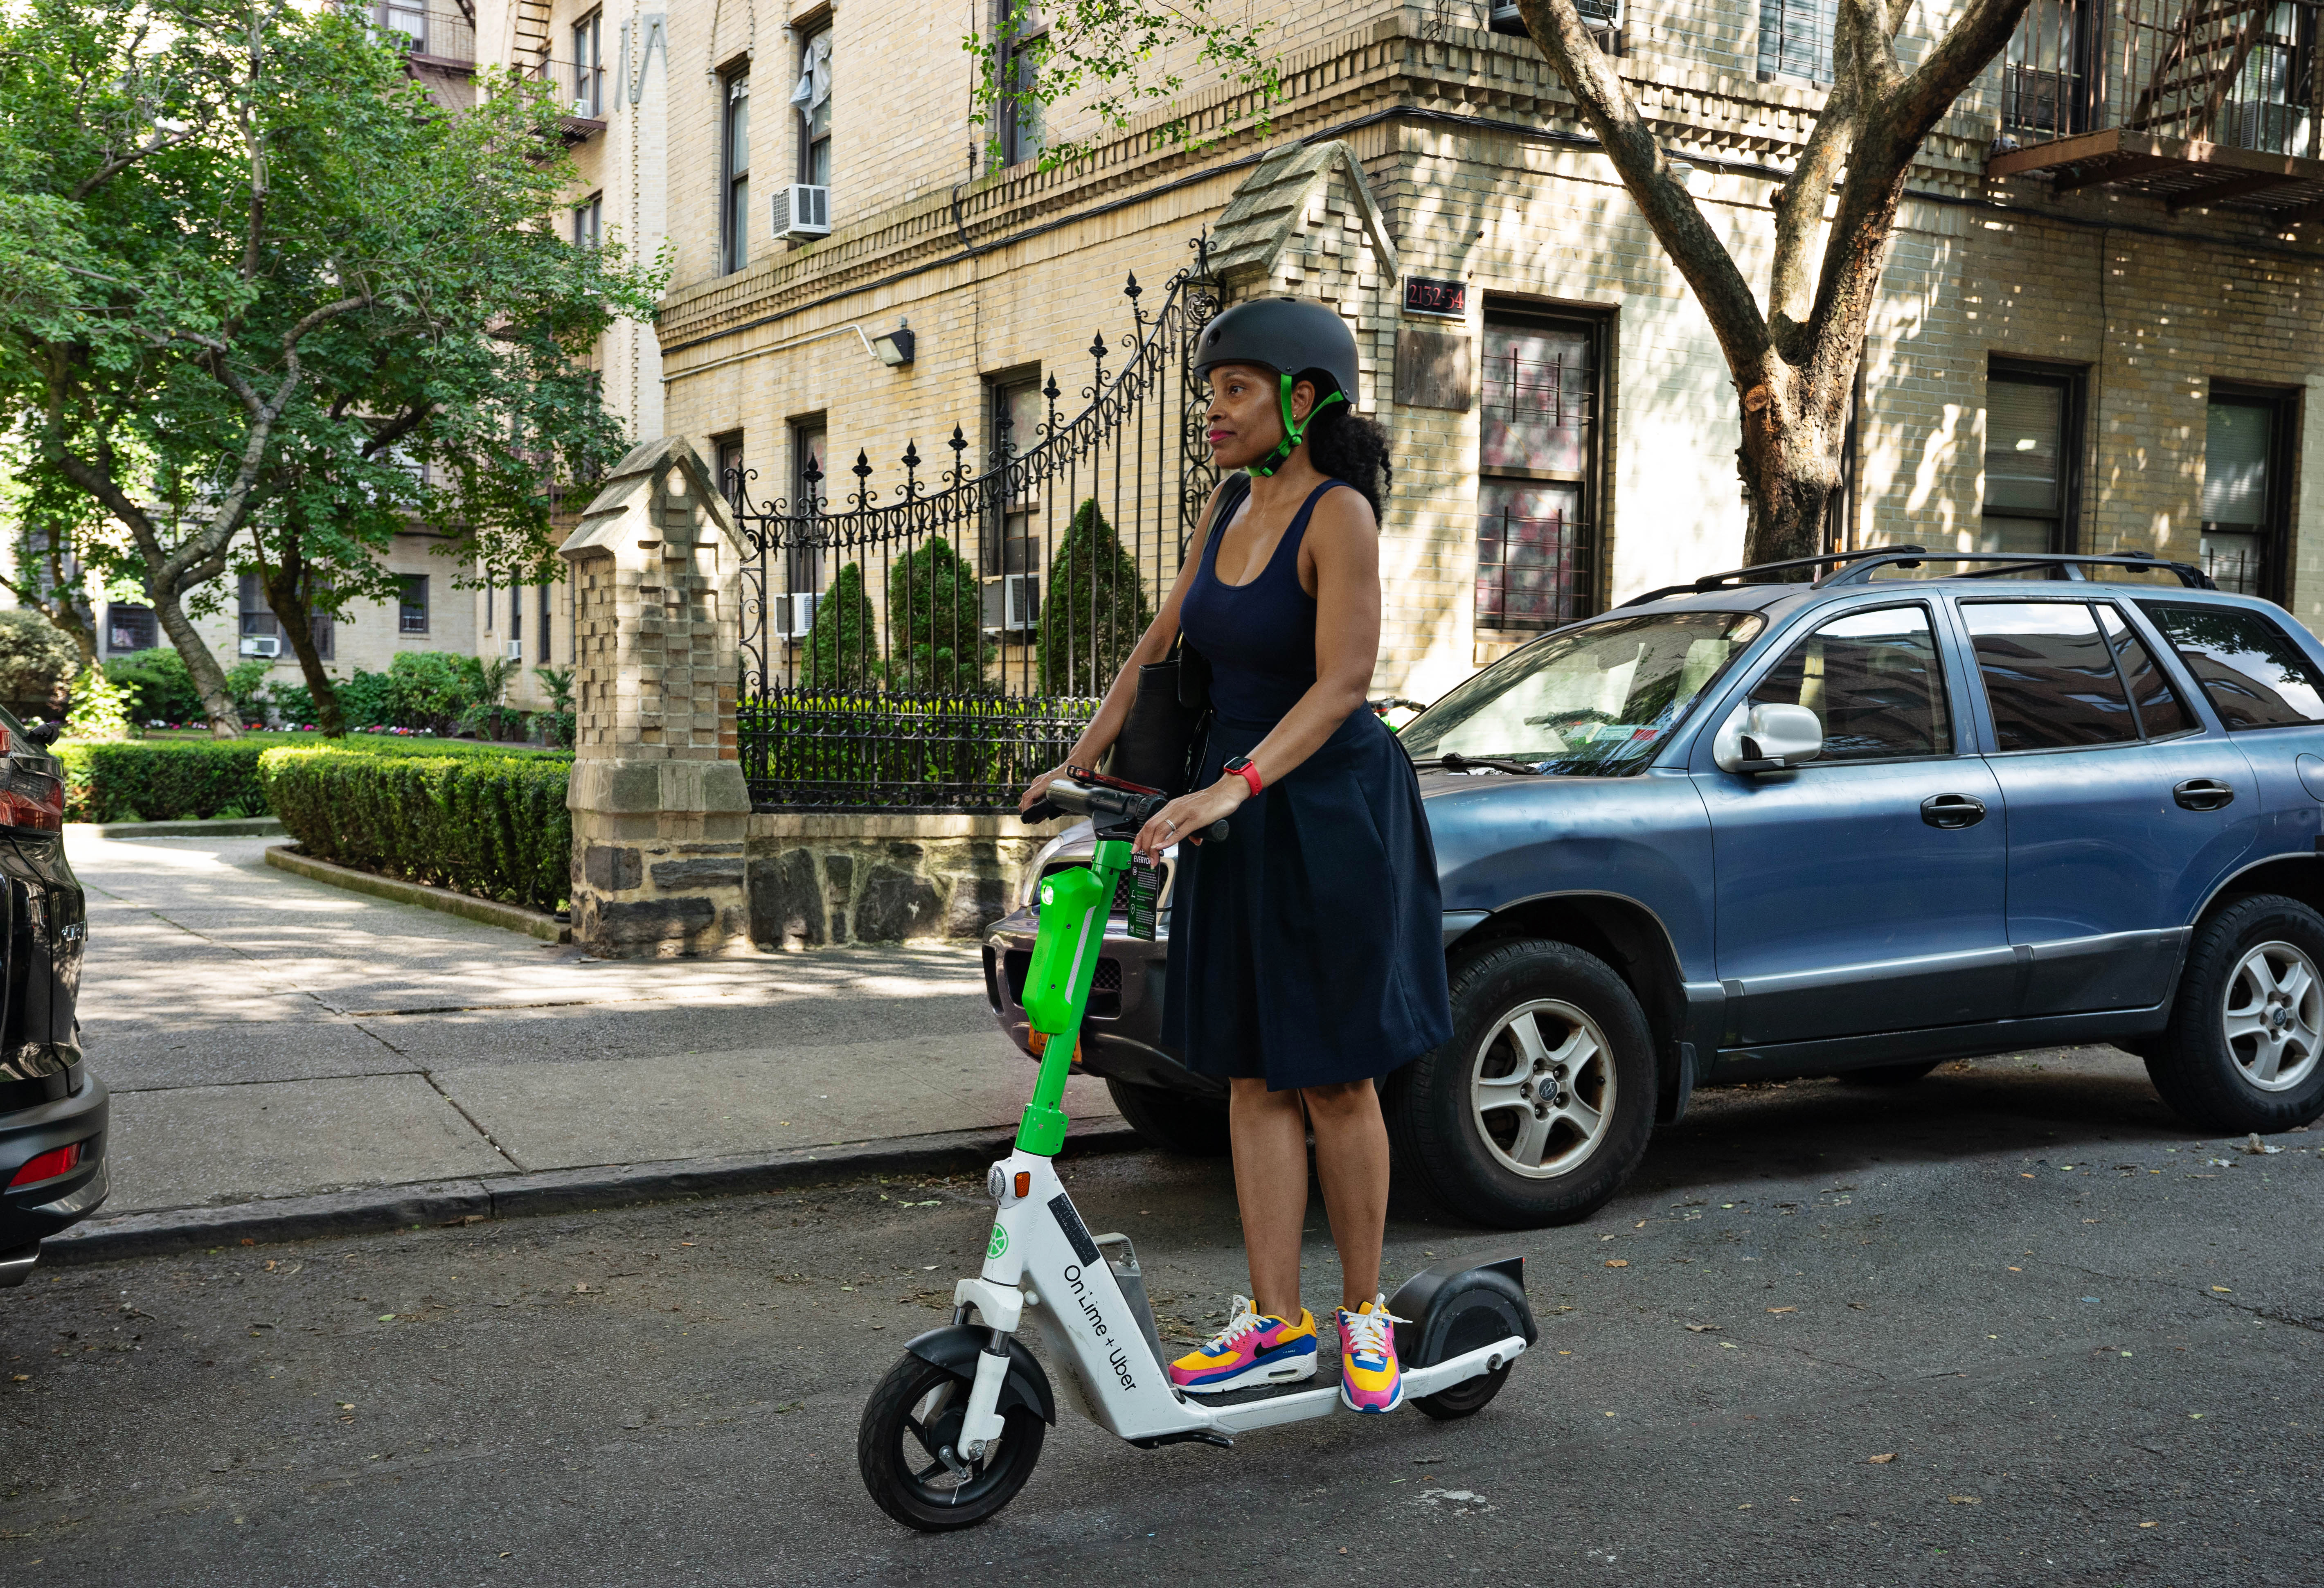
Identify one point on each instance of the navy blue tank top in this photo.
(1259, 638)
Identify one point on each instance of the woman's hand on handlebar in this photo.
(1039, 790)
(1189, 814)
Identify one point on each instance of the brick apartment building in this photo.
(2096, 328)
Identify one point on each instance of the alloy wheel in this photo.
(1542, 1086)
(2273, 1016)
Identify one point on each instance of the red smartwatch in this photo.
(1240, 767)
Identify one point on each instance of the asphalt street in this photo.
(2090, 1341)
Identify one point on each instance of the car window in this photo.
(2161, 711)
(2049, 675)
(2254, 674)
(1873, 680)
(1594, 700)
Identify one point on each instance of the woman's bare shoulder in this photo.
(1343, 519)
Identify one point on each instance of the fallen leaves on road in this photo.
(1701, 1328)
(2221, 1290)
(2253, 1146)
(1783, 1309)
(1881, 1460)
(1618, 1262)
(1963, 1500)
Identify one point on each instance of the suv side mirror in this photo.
(44, 733)
(1768, 739)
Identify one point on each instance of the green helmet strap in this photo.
(1294, 431)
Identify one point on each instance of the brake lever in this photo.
(1040, 811)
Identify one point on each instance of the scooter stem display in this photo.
(1073, 905)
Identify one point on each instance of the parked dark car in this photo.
(53, 1110)
(1754, 829)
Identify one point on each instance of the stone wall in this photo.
(815, 880)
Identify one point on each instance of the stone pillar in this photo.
(658, 799)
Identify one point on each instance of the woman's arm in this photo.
(1152, 646)
(1343, 542)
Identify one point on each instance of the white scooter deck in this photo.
(1042, 1261)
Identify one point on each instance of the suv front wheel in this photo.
(1540, 1107)
(2245, 1048)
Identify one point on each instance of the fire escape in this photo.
(2202, 104)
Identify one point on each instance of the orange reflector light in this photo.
(57, 1160)
(1024, 1183)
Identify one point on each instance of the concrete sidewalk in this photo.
(269, 1036)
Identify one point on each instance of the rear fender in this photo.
(1454, 1308)
(955, 1348)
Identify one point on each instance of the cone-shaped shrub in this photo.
(1094, 611)
(935, 622)
(843, 651)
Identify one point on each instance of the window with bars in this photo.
(1796, 39)
(1538, 464)
(129, 627)
(2049, 84)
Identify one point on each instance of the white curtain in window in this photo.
(1796, 39)
(2021, 424)
(814, 86)
(2234, 463)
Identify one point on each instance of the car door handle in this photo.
(2203, 794)
(1952, 810)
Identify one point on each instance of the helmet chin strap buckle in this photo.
(1294, 431)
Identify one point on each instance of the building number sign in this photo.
(1423, 296)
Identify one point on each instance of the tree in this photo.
(37, 662)
(1795, 363)
(843, 648)
(1095, 609)
(936, 621)
(256, 292)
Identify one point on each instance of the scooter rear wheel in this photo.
(912, 1420)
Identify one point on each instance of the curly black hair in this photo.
(1345, 445)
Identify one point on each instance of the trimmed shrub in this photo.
(815, 751)
(164, 779)
(1094, 610)
(36, 660)
(935, 621)
(843, 650)
(492, 825)
(100, 709)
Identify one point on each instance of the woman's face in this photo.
(1244, 420)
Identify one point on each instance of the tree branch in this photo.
(1606, 105)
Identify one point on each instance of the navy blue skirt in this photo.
(1309, 948)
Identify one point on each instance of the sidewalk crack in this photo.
(430, 1077)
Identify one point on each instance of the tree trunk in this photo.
(1789, 457)
(286, 593)
(209, 679)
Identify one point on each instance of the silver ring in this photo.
(1168, 825)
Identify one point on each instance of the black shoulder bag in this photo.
(1161, 742)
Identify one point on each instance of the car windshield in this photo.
(1594, 701)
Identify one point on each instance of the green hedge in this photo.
(171, 780)
(490, 824)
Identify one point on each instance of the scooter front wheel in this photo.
(908, 1448)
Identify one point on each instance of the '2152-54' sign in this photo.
(1449, 300)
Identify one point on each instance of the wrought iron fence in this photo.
(930, 645)
(2246, 73)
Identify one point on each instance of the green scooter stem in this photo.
(1073, 907)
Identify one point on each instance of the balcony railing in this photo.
(578, 91)
(440, 29)
(2200, 103)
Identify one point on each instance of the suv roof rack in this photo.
(1718, 581)
(2009, 562)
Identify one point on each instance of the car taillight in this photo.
(57, 1160)
(33, 799)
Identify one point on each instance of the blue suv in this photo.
(1755, 827)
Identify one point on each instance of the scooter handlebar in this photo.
(1108, 807)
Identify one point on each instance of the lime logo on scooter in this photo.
(998, 1244)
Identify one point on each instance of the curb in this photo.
(380, 1209)
(256, 826)
(533, 923)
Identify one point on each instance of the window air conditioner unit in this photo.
(583, 110)
(1597, 15)
(802, 211)
(793, 616)
(515, 650)
(1013, 604)
(262, 645)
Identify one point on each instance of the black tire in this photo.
(1444, 1141)
(1195, 1127)
(896, 1450)
(2219, 1083)
(1888, 1075)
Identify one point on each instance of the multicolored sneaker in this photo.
(1369, 1378)
(1252, 1349)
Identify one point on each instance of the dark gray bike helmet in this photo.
(1292, 336)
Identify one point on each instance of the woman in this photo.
(1305, 958)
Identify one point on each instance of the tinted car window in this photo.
(1873, 680)
(2049, 675)
(2255, 676)
(1594, 700)
(2161, 711)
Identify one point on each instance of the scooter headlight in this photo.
(996, 1182)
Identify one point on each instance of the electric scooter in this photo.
(952, 1432)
